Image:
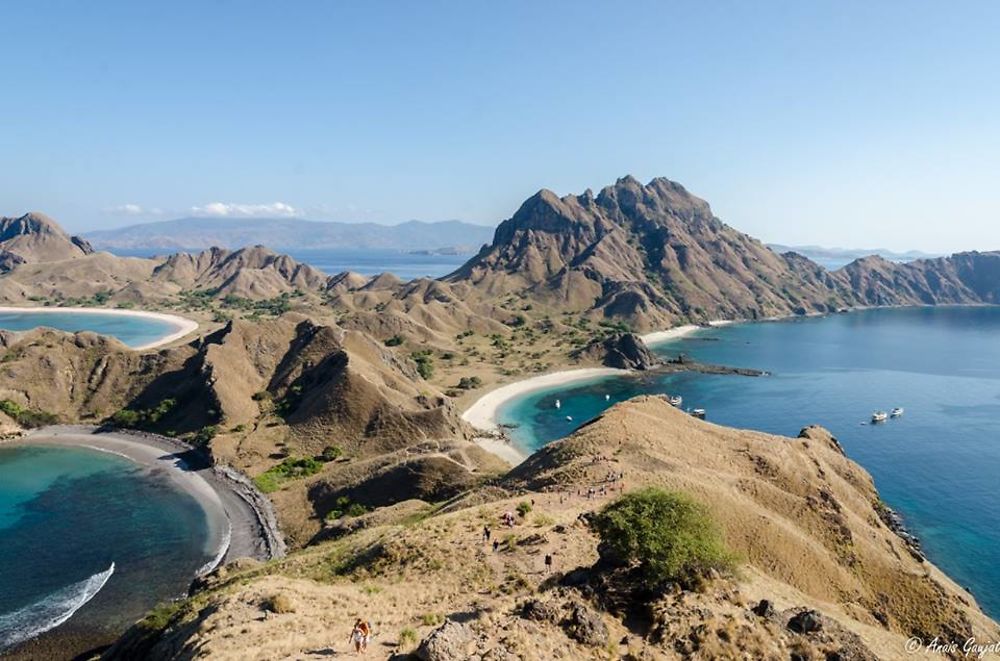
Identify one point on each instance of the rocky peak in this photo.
(35, 237)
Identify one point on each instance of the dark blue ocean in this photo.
(66, 516)
(938, 464)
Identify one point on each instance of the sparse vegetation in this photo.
(344, 507)
(523, 508)
(278, 603)
(394, 341)
(204, 435)
(425, 363)
(469, 382)
(143, 418)
(407, 638)
(290, 468)
(27, 418)
(331, 453)
(667, 535)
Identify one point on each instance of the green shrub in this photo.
(394, 341)
(425, 363)
(28, 418)
(143, 418)
(523, 508)
(469, 382)
(204, 435)
(667, 535)
(289, 469)
(331, 453)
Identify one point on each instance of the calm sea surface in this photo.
(67, 514)
(133, 331)
(939, 464)
(406, 266)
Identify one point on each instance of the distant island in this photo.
(293, 234)
(834, 258)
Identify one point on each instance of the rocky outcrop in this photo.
(621, 350)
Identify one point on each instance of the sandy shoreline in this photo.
(657, 337)
(483, 413)
(182, 325)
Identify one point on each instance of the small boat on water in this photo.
(880, 416)
(675, 400)
(698, 413)
(569, 418)
(558, 404)
(896, 412)
(607, 398)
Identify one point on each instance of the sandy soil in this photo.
(182, 325)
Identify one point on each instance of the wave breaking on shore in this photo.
(50, 611)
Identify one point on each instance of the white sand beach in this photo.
(182, 325)
(482, 414)
(680, 331)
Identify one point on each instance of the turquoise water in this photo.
(937, 465)
(133, 331)
(68, 514)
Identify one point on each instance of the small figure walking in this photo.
(548, 561)
(496, 545)
(360, 635)
(487, 533)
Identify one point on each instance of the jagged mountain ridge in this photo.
(656, 255)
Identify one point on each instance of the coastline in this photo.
(241, 521)
(658, 337)
(182, 325)
(238, 523)
(482, 415)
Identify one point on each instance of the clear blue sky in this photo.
(850, 123)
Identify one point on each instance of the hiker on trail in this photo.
(360, 635)
(496, 545)
(548, 561)
(487, 533)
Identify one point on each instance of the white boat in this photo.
(676, 400)
(558, 404)
(698, 413)
(896, 412)
(880, 416)
(607, 398)
(569, 418)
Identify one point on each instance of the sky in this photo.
(848, 123)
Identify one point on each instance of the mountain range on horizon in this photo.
(199, 233)
(650, 255)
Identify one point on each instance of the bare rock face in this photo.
(622, 351)
(452, 641)
(585, 625)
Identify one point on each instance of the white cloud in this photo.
(233, 210)
(127, 210)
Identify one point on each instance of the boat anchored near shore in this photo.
(879, 416)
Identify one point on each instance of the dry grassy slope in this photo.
(407, 566)
(799, 511)
(402, 439)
